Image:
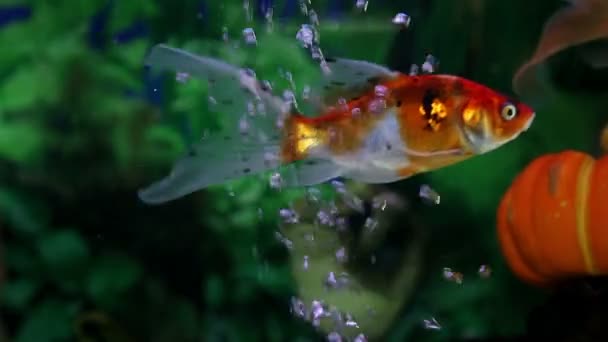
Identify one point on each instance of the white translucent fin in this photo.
(350, 78)
(309, 172)
(211, 162)
(353, 72)
(248, 142)
(232, 90)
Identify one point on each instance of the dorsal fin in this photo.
(349, 78)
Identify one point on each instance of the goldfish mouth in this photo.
(529, 123)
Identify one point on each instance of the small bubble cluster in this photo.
(309, 37)
(350, 199)
(318, 310)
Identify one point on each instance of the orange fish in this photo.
(582, 22)
(387, 126)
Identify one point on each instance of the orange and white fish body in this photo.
(416, 124)
(387, 126)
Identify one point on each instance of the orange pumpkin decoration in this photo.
(553, 220)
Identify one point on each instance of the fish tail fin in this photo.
(249, 139)
(223, 158)
(212, 162)
(269, 135)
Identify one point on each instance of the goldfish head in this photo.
(490, 120)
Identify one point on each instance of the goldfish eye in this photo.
(508, 111)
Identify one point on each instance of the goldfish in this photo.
(374, 125)
(582, 24)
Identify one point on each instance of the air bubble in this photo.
(370, 224)
(380, 90)
(244, 126)
(485, 271)
(377, 106)
(182, 77)
(289, 216)
(334, 337)
(298, 308)
(414, 70)
(453, 276)
(431, 324)
(360, 338)
(429, 195)
(362, 5)
(283, 240)
(314, 18)
(306, 35)
(402, 19)
(341, 255)
(430, 64)
(249, 36)
(276, 181)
